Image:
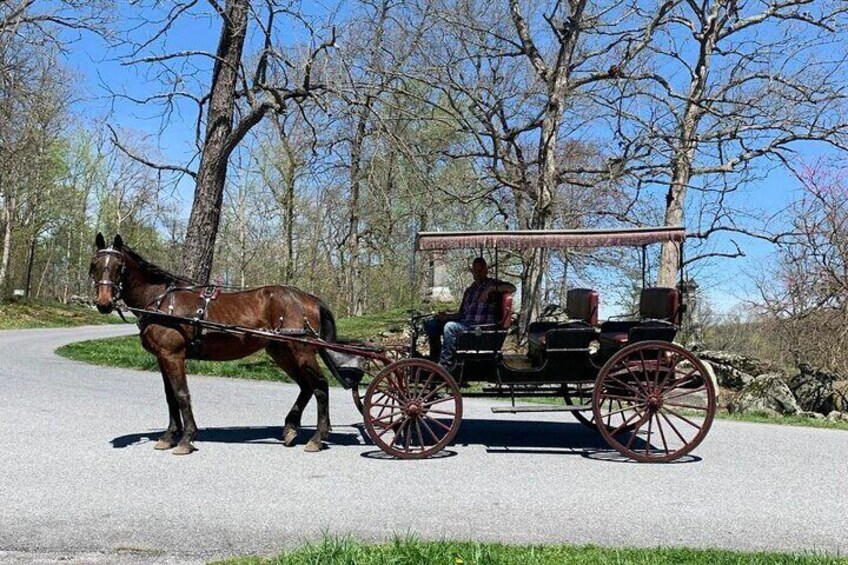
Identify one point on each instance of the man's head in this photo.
(479, 269)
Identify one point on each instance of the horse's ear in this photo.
(99, 241)
(118, 243)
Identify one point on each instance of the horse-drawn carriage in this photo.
(651, 399)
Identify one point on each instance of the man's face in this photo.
(479, 270)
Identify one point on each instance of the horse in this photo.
(121, 273)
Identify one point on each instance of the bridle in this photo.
(117, 287)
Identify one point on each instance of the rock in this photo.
(765, 393)
(835, 416)
(839, 398)
(731, 370)
(813, 390)
(811, 415)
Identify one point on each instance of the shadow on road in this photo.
(497, 436)
(239, 434)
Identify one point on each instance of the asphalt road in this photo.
(80, 480)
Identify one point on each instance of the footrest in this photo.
(540, 408)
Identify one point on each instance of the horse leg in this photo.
(281, 354)
(308, 365)
(322, 398)
(174, 365)
(175, 426)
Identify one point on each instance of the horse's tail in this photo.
(328, 323)
(343, 366)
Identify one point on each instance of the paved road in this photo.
(79, 477)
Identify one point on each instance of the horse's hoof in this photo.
(184, 449)
(313, 446)
(289, 436)
(164, 444)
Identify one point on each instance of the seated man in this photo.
(475, 310)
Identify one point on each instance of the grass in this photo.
(344, 551)
(128, 353)
(21, 314)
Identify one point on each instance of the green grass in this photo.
(127, 352)
(344, 551)
(21, 314)
(783, 420)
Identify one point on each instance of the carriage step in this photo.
(540, 408)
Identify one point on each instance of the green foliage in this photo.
(41, 314)
(409, 551)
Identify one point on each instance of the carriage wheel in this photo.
(412, 409)
(662, 396)
(582, 394)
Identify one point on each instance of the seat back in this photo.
(567, 350)
(582, 304)
(660, 303)
(659, 308)
(505, 310)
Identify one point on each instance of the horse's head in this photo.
(107, 270)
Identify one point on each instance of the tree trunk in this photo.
(681, 166)
(8, 214)
(289, 211)
(199, 247)
(30, 261)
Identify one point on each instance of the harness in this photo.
(117, 288)
(207, 295)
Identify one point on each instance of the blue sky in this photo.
(97, 67)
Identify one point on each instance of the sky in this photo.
(96, 68)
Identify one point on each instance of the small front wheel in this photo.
(412, 409)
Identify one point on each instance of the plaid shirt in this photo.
(474, 311)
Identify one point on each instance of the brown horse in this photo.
(121, 273)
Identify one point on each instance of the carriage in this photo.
(650, 398)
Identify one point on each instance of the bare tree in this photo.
(520, 78)
(731, 88)
(243, 89)
(804, 294)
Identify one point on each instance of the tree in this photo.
(509, 79)
(804, 294)
(730, 89)
(242, 90)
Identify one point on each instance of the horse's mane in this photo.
(156, 274)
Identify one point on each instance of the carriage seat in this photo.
(581, 307)
(659, 312)
(489, 339)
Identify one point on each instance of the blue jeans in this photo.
(442, 336)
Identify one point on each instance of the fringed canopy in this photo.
(528, 239)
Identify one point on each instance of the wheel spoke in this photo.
(430, 431)
(439, 401)
(689, 406)
(687, 393)
(437, 422)
(685, 419)
(662, 434)
(619, 411)
(673, 427)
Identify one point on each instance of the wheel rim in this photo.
(412, 409)
(583, 394)
(662, 397)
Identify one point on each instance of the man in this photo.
(475, 310)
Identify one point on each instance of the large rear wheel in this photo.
(661, 395)
(412, 409)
